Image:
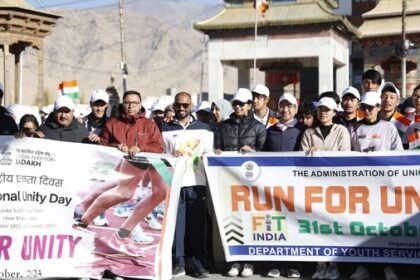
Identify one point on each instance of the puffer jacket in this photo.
(76, 132)
(7, 123)
(232, 134)
(133, 131)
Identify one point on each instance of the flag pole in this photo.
(255, 47)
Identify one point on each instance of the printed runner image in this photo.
(42, 185)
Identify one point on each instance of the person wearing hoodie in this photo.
(220, 110)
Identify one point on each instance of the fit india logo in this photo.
(5, 155)
(269, 227)
(250, 171)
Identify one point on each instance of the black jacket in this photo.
(232, 134)
(7, 123)
(75, 132)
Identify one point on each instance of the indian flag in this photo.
(69, 88)
(401, 122)
(261, 6)
(414, 140)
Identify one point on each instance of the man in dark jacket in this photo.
(7, 123)
(190, 232)
(61, 125)
(286, 134)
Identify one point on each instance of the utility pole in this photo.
(404, 51)
(203, 52)
(122, 40)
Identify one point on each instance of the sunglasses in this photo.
(238, 103)
(183, 105)
(367, 108)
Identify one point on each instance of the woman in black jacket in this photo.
(241, 132)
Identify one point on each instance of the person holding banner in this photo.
(326, 136)
(242, 133)
(284, 136)
(373, 134)
(187, 137)
(130, 133)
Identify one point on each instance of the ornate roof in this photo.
(16, 3)
(22, 5)
(385, 19)
(301, 12)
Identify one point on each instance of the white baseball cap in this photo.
(351, 90)
(371, 98)
(327, 102)
(63, 101)
(158, 105)
(243, 95)
(99, 94)
(288, 97)
(391, 85)
(261, 89)
(204, 105)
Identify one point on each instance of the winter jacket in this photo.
(132, 131)
(288, 140)
(232, 134)
(75, 132)
(337, 140)
(7, 123)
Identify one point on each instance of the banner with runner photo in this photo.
(63, 203)
(344, 207)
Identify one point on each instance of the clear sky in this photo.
(82, 4)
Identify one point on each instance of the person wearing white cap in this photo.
(96, 120)
(61, 125)
(203, 112)
(7, 122)
(350, 100)
(390, 98)
(241, 133)
(326, 136)
(260, 98)
(158, 115)
(373, 134)
(285, 135)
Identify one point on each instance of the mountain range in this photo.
(162, 49)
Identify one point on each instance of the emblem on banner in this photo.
(5, 155)
(233, 230)
(250, 171)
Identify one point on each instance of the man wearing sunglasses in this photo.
(181, 137)
(372, 133)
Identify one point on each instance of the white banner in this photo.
(346, 207)
(41, 183)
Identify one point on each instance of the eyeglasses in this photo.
(238, 103)
(367, 108)
(128, 103)
(183, 105)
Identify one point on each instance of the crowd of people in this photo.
(370, 120)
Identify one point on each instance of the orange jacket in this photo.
(133, 131)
